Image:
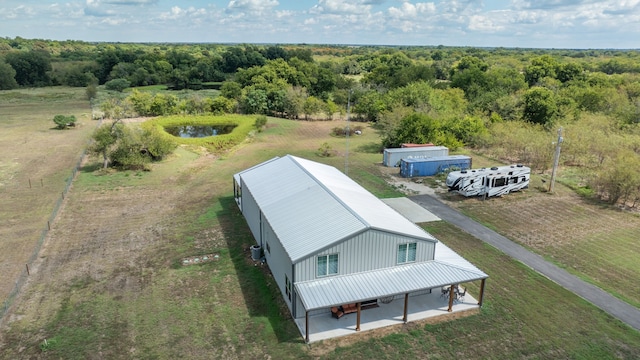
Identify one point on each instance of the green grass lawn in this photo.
(592, 240)
(143, 303)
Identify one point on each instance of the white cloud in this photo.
(484, 24)
(113, 21)
(410, 11)
(177, 12)
(461, 6)
(123, 2)
(341, 7)
(18, 12)
(542, 23)
(252, 6)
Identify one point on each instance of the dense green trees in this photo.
(540, 106)
(422, 129)
(7, 77)
(31, 67)
(117, 84)
(506, 102)
(129, 147)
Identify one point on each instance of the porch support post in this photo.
(451, 295)
(306, 326)
(358, 318)
(406, 307)
(481, 292)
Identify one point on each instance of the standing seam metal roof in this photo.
(330, 291)
(312, 206)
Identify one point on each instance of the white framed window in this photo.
(327, 265)
(407, 253)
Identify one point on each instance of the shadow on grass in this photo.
(261, 293)
(91, 167)
(370, 148)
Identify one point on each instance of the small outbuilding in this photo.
(333, 247)
(391, 157)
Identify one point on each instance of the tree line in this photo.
(506, 102)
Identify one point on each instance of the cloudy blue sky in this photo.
(507, 23)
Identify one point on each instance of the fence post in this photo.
(27, 265)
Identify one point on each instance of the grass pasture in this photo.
(36, 161)
(595, 242)
(110, 280)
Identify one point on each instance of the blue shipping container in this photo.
(432, 166)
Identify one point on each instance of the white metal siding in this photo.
(278, 261)
(392, 157)
(251, 213)
(300, 310)
(368, 251)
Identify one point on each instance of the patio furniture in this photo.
(337, 312)
(340, 311)
(460, 294)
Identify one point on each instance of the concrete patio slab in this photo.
(409, 209)
(425, 306)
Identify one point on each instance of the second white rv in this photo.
(496, 181)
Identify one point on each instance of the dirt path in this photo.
(613, 306)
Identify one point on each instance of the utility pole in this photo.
(556, 160)
(347, 131)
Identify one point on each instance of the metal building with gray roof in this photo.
(329, 242)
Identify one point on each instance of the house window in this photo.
(268, 248)
(327, 265)
(406, 253)
(287, 286)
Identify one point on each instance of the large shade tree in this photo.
(7, 77)
(540, 106)
(31, 67)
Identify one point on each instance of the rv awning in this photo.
(347, 289)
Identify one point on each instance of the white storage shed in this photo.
(391, 157)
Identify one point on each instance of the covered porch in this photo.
(434, 281)
(419, 307)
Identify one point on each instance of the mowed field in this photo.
(110, 280)
(598, 243)
(36, 160)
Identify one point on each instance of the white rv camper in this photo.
(495, 181)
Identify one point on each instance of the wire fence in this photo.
(22, 278)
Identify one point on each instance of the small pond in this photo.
(199, 131)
